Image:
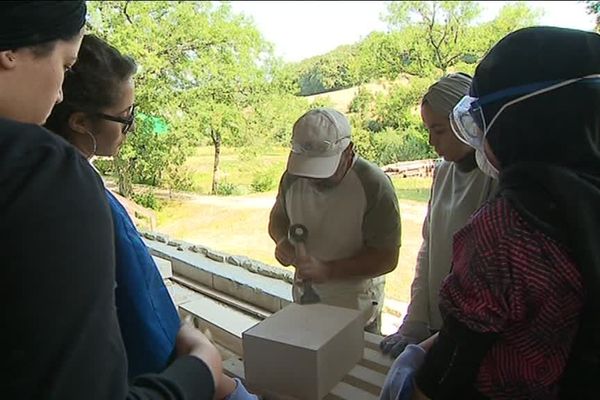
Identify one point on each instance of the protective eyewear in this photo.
(467, 119)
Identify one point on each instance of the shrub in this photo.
(105, 166)
(225, 188)
(263, 182)
(148, 200)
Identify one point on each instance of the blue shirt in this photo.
(147, 316)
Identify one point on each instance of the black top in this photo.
(58, 321)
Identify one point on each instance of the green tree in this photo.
(381, 55)
(512, 16)
(593, 8)
(439, 35)
(331, 71)
(200, 65)
(442, 26)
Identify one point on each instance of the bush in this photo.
(105, 166)
(411, 144)
(362, 103)
(263, 182)
(148, 200)
(225, 188)
(362, 140)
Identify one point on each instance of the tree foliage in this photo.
(425, 38)
(208, 77)
(593, 8)
(201, 65)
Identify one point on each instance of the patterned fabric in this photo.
(511, 279)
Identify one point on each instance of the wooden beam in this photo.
(234, 367)
(222, 297)
(365, 379)
(225, 323)
(372, 340)
(373, 359)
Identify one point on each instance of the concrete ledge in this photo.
(164, 267)
(226, 324)
(256, 283)
(191, 262)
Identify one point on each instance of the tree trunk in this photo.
(123, 170)
(216, 139)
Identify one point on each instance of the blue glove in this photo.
(240, 392)
(395, 344)
(411, 332)
(399, 382)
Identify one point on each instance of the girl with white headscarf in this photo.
(459, 188)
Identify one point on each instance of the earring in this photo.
(93, 144)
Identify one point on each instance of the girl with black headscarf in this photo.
(59, 323)
(521, 306)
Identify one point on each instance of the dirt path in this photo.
(238, 225)
(409, 210)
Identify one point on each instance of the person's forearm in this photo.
(418, 307)
(369, 263)
(278, 231)
(278, 224)
(226, 387)
(188, 377)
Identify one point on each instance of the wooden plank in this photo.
(164, 267)
(222, 297)
(234, 367)
(373, 359)
(372, 340)
(179, 294)
(344, 391)
(225, 323)
(365, 379)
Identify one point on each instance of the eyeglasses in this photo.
(126, 121)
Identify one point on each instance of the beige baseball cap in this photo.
(319, 138)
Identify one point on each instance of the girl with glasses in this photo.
(96, 115)
(59, 320)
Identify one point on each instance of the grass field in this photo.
(236, 167)
(240, 169)
(238, 224)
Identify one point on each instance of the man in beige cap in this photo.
(350, 210)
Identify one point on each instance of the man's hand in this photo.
(285, 252)
(313, 269)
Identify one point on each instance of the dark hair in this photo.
(38, 25)
(46, 48)
(92, 84)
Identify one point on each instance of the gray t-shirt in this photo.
(362, 210)
(455, 195)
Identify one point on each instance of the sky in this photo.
(302, 29)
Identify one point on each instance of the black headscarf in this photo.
(27, 23)
(549, 150)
